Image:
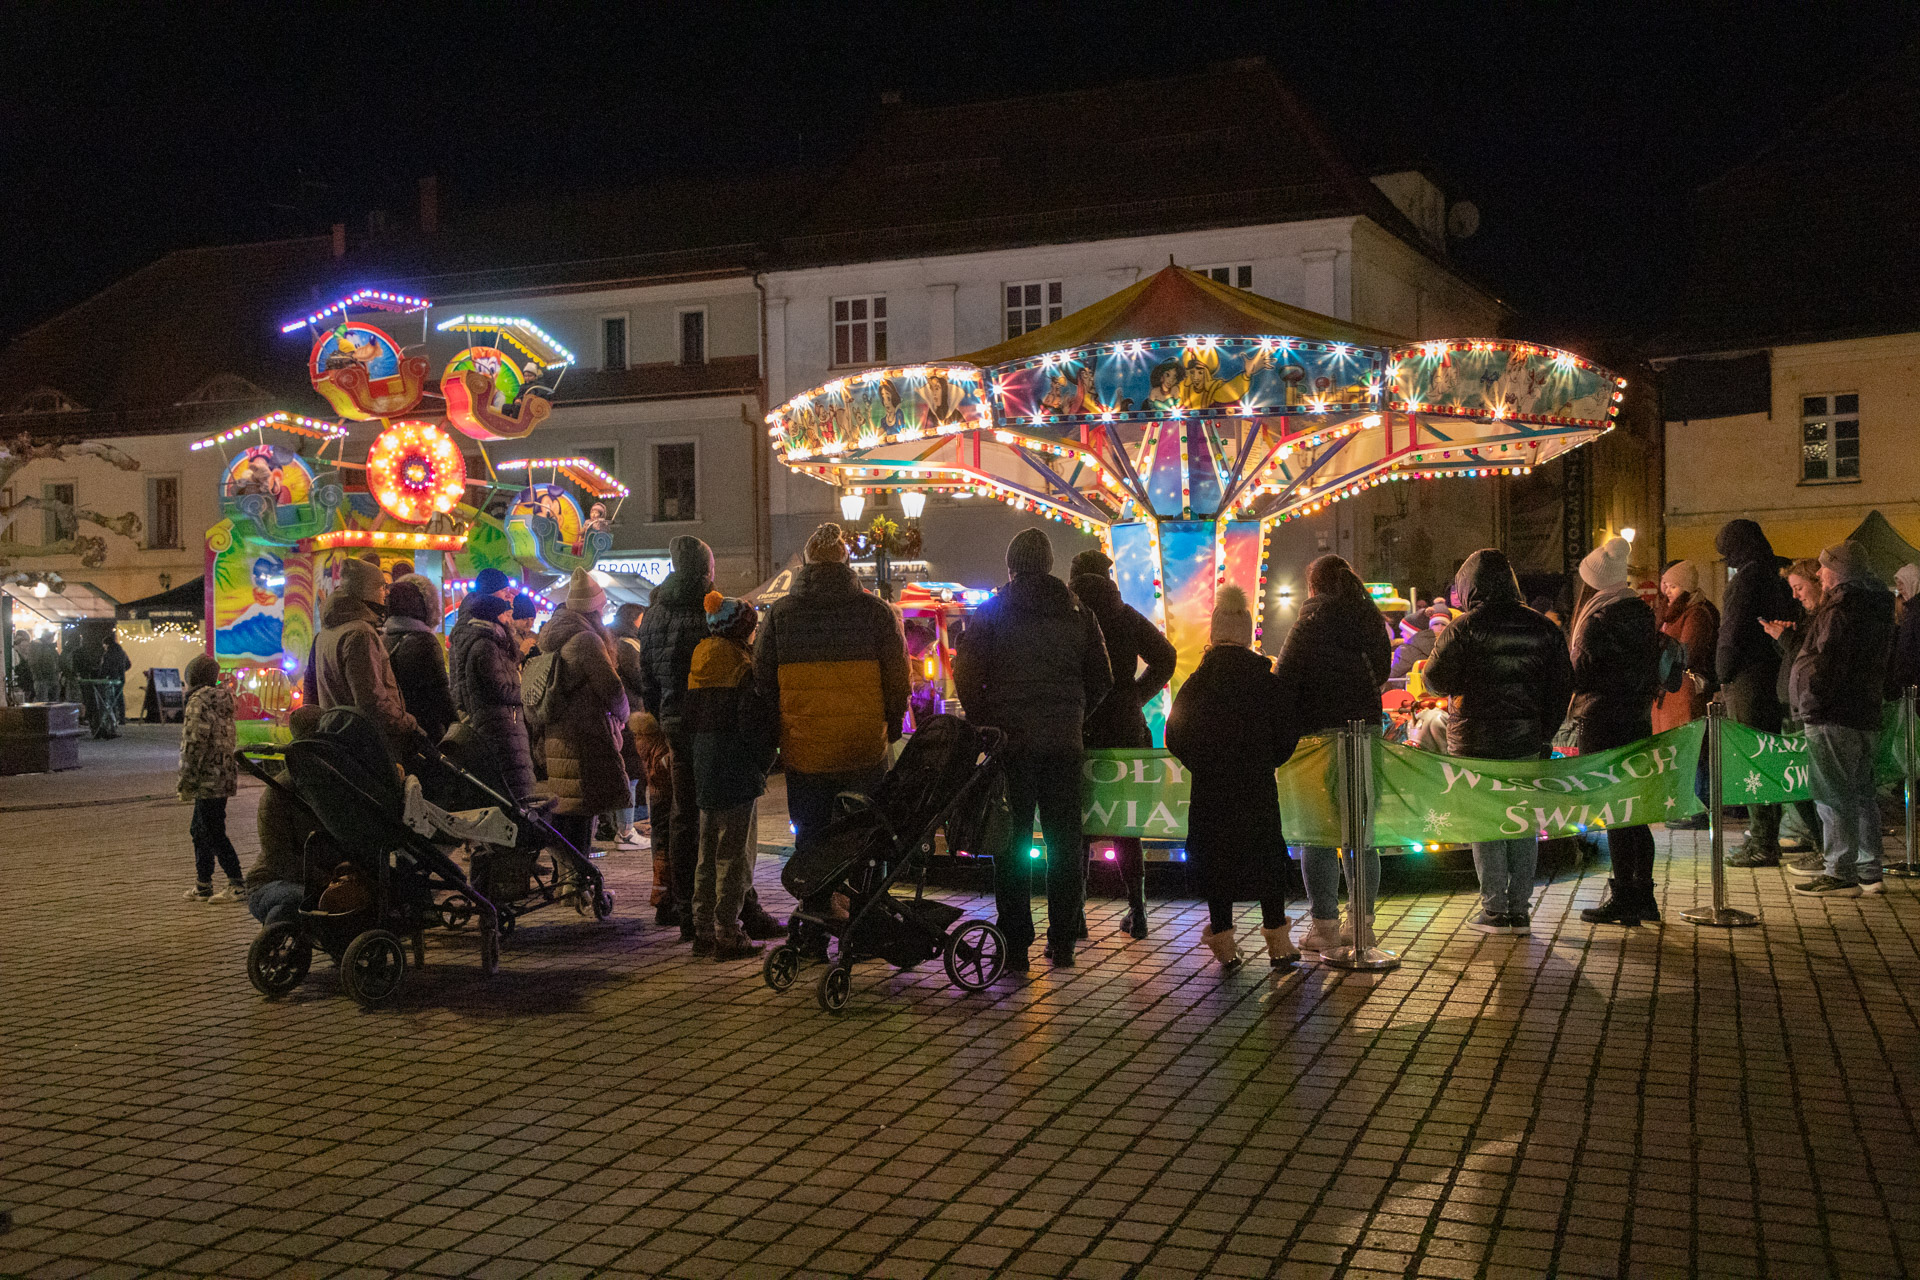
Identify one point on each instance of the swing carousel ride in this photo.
(1181, 420)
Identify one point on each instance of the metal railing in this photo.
(1356, 837)
(1719, 913)
(1909, 701)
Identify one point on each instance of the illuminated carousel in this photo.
(1181, 420)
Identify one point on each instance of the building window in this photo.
(613, 342)
(7, 533)
(675, 495)
(1237, 274)
(62, 522)
(163, 511)
(860, 330)
(693, 337)
(1031, 304)
(1830, 437)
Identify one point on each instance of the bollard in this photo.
(1719, 914)
(1356, 810)
(1909, 703)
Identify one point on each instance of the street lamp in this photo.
(851, 505)
(912, 503)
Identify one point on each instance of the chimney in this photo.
(339, 239)
(429, 204)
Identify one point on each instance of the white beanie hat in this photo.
(1683, 576)
(1606, 565)
(1232, 621)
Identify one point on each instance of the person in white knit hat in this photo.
(1234, 723)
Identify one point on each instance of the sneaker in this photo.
(1873, 886)
(740, 948)
(703, 944)
(1749, 856)
(633, 840)
(1061, 955)
(1807, 864)
(1828, 887)
(1790, 844)
(1484, 923)
(232, 893)
(1520, 924)
(198, 894)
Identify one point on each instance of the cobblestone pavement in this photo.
(1585, 1102)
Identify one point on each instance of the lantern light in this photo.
(913, 502)
(851, 505)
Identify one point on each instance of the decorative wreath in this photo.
(416, 472)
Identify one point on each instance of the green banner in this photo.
(1770, 768)
(1144, 793)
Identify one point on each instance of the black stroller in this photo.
(944, 777)
(397, 843)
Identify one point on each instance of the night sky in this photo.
(1578, 129)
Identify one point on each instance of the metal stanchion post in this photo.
(1719, 913)
(1909, 703)
(1356, 755)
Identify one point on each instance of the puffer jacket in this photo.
(420, 669)
(350, 669)
(1840, 670)
(1695, 623)
(1503, 666)
(1335, 659)
(675, 624)
(208, 770)
(486, 688)
(830, 657)
(1616, 669)
(1032, 664)
(583, 735)
(1130, 639)
(1417, 647)
(1756, 592)
(731, 726)
(626, 658)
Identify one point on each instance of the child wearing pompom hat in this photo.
(734, 734)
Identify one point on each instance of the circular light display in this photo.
(415, 471)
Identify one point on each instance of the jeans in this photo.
(1751, 700)
(623, 818)
(1049, 782)
(275, 900)
(1320, 868)
(1801, 819)
(1506, 868)
(210, 843)
(725, 869)
(683, 844)
(810, 797)
(1840, 776)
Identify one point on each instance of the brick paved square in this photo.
(1663, 1100)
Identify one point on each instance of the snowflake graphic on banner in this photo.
(1753, 782)
(1437, 820)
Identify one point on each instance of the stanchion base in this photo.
(1905, 871)
(1372, 960)
(1724, 918)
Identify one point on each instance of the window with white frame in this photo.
(860, 330)
(613, 342)
(693, 337)
(676, 481)
(1237, 274)
(1031, 304)
(61, 513)
(1830, 437)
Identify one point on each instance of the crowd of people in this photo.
(685, 706)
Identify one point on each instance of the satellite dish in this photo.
(1463, 219)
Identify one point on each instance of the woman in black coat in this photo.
(412, 640)
(486, 685)
(1119, 720)
(1335, 660)
(1232, 725)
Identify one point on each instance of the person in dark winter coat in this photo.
(1508, 678)
(1903, 668)
(486, 689)
(1839, 675)
(412, 640)
(1416, 644)
(1800, 822)
(350, 667)
(1616, 672)
(831, 659)
(1033, 665)
(585, 728)
(209, 776)
(1689, 617)
(1747, 662)
(1232, 725)
(734, 738)
(1334, 660)
(626, 660)
(1119, 720)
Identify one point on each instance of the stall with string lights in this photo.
(1181, 420)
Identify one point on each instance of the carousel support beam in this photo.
(1066, 494)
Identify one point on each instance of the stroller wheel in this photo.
(836, 984)
(278, 959)
(781, 967)
(976, 952)
(373, 967)
(603, 904)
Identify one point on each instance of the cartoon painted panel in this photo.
(249, 587)
(363, 373)
(271, 472)
(1512, 381)
(880, 406)
(549, 502)
(1194, 376)
(489, 397)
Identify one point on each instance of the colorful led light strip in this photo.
(366, 299)
(504, 326)
(388, 539)
(291, 423)
(586, 474)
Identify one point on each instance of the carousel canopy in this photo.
(1184, 399)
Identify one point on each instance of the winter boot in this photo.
(1282, 952)
(703, 941)
(1644, 899)
(1346, 926)
(1323, 936)
(732, 944)
(1618, 907)
(755, 920)
(1221, 944)
(1137, 902)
